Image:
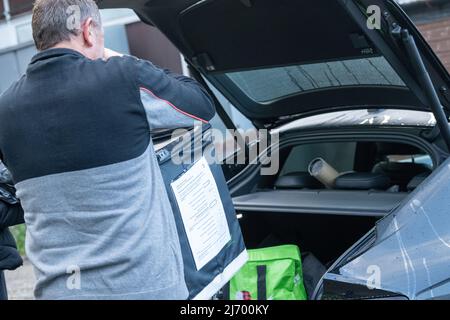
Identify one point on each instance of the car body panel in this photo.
(220, 37)
(411, 250)
(374, 117)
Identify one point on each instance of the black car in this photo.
(349, 81)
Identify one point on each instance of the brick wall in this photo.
(438, 36)
(17, 7)
(149, 43)
(20, 6)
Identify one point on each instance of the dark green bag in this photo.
(273, 273)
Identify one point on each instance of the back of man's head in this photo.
(57, 21)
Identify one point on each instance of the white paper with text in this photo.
(202, 212)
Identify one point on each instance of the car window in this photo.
(224, 140)
(340, 155)
(424, 159)
(239, 120)
(269, 84)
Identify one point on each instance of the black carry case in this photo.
(206, 282)
(3, 292)
(7, 196)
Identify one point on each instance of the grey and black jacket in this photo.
(76, 136)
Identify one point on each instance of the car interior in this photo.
(294, 207)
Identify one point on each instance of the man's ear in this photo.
(88, 32)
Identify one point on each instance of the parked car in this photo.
(352, 82)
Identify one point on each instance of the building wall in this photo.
(17, 7)
(14, 60)
(437, 35)
(432, 18)
(149, 43)
(17, 47)
(13, 64)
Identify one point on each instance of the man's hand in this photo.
(108, 53)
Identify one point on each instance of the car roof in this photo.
(366, 117)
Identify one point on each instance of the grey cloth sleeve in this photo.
(171, 100)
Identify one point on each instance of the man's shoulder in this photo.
(130, 63)
(119, 68)
(118, 63)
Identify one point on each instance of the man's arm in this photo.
(170, 100)
(173, 101)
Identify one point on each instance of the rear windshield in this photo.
(270, 84)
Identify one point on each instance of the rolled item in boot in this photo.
(322, 171)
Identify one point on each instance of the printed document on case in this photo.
(202, 212)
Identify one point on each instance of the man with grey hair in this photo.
(75, 135)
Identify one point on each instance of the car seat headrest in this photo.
(298, 180)
(362, 181)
